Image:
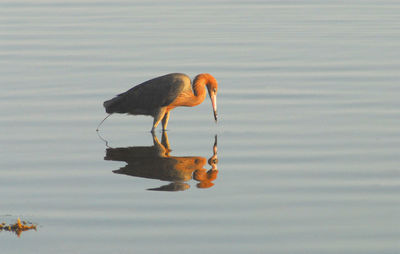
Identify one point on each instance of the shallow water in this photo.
(308, 135)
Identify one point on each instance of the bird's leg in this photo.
(158, 115)
(162, 151)
(165, 142)
(165, 121)
(155, 139)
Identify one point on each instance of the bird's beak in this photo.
(214, 105)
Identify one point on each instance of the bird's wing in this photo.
(154, 93)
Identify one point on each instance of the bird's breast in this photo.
(185, 98)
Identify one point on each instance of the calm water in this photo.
(308, 137)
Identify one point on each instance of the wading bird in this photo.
(155, 162)
(158, 96)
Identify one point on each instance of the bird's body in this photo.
(158, 96)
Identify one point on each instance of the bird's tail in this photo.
(111, 105)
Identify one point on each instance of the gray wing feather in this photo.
(149, 95)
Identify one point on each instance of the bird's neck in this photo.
(199, 90)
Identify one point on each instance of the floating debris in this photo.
(17, 227)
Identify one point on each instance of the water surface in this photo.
(308, 135)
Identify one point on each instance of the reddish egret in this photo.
(158, 96)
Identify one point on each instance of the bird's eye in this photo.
(215, 90)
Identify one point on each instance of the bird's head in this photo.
(212, 87)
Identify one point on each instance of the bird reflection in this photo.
(155, 162)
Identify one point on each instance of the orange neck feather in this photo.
(199, 86)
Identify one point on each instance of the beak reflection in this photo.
(155, 162)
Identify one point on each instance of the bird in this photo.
(155, 162)
(158, 96)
